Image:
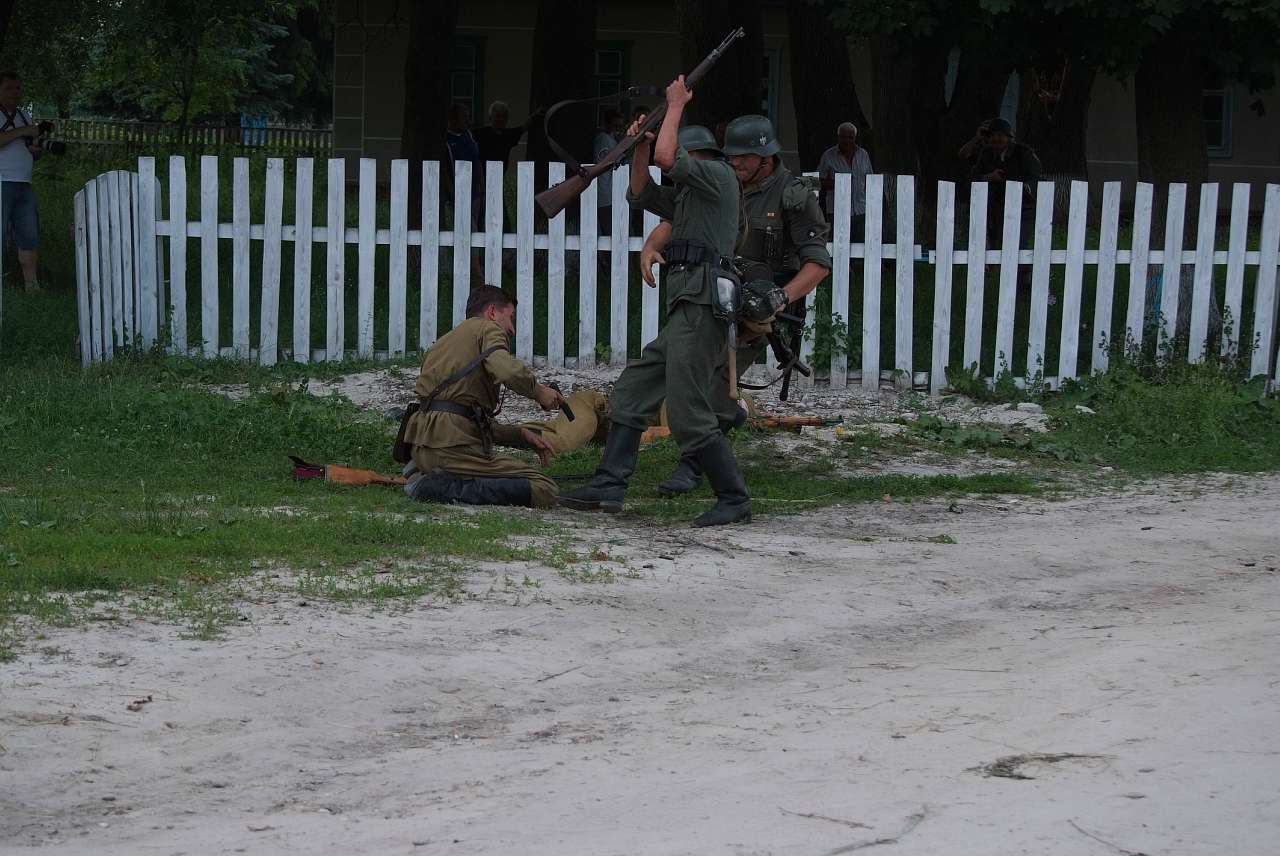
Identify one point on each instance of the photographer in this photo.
(19, 146)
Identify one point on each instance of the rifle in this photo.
(555, 199)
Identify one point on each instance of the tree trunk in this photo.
(981, 79)
(426, 91)
(891, 99)
(821, 82)
(564, 44)
(1056, 123)
(733, 87)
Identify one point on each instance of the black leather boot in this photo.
(687, 477)
(608, 486)
(733, 505)
(439, 486)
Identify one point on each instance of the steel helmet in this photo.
(750, 135)
(693, 138)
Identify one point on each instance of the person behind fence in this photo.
(19, 147)
(1002, 158)
(681, 363)
(846, 156)
(611, 132)
(453, 434)
(784, 250)
(496, 140)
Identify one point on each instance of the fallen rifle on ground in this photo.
(761, 422)
(341, 475)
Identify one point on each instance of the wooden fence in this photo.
(123, 241)
(135, 136)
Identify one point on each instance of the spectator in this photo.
(614, 129)
(496, 140)
(969, 151)
(19, 146)
(462, 144)
(1003, 159)
(846, 156)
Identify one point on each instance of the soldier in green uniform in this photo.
(681, 364)
(453, 433)
(786, 241)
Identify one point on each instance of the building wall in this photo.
(371, 44)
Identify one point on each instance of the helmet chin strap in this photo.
(752, 180)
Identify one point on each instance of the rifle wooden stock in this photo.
(553, 200)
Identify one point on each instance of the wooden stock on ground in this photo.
(763, 422)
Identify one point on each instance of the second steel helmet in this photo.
(750, 135)
(693, 138)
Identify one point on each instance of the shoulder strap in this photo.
(9, 120)
(462, 372)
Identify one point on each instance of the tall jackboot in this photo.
(688, 474)
(608, 486)
(733, 504)
(687, 477)
(440, 486)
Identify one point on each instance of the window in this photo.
(613, 67)
(769, 86)
(466, 77)
(1217, 121)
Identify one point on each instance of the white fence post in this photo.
(272, 224)
(302, 237)
(619, 254)
(1236, 246)
(942, 275)
(429, 276)
(335, 261)
(1010, 259)
(1105, 295)
(587, 244)
(1040, 253)
(109, 266)
(975, 277)
(398, 260)
(555, 275)
(493, 205)
(904, 280)
(365, 231)
(148, 308)
(840, 275)
(461, 239)
(1069, 349)
(178, 254)
(1171, 270)
(524, 261)
(240, 257)
(1139, 253)
(82, 280)
(870, 284)
(209, 298)
(649, 296)
(1264, 298)
(1202, 279)
(99, 322)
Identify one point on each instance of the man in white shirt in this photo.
(18, 148)
(846, 156)
(614, 129)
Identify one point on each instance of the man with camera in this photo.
(19, 146)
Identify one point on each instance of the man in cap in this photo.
(785, 243)
(682, 364)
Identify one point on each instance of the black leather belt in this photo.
(683, 252)
(475, 413)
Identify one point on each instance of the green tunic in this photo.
(682, 364)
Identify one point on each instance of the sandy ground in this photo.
(819, 684)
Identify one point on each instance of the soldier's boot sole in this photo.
(608, 506)
(724, 515)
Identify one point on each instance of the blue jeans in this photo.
(18, 209)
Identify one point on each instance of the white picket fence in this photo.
(122, 244)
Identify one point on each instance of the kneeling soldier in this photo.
(453, 433)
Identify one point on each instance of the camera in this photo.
(53, 147)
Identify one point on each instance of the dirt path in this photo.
(813, 685)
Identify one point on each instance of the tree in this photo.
(734, 86)
(6, 13)
(564, 43)
(821, 82)
(53, 46)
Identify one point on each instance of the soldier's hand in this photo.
(650, 256)
(548, 399)
(678, 94)
(540, 446)
(635, 127)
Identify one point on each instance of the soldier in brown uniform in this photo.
(453, 434)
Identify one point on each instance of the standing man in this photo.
(610, 134)
(453, 433)
(1001, 159)
(786, 240)
(18, 149)
(495, 140)
(682, 364)
(846, 156)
